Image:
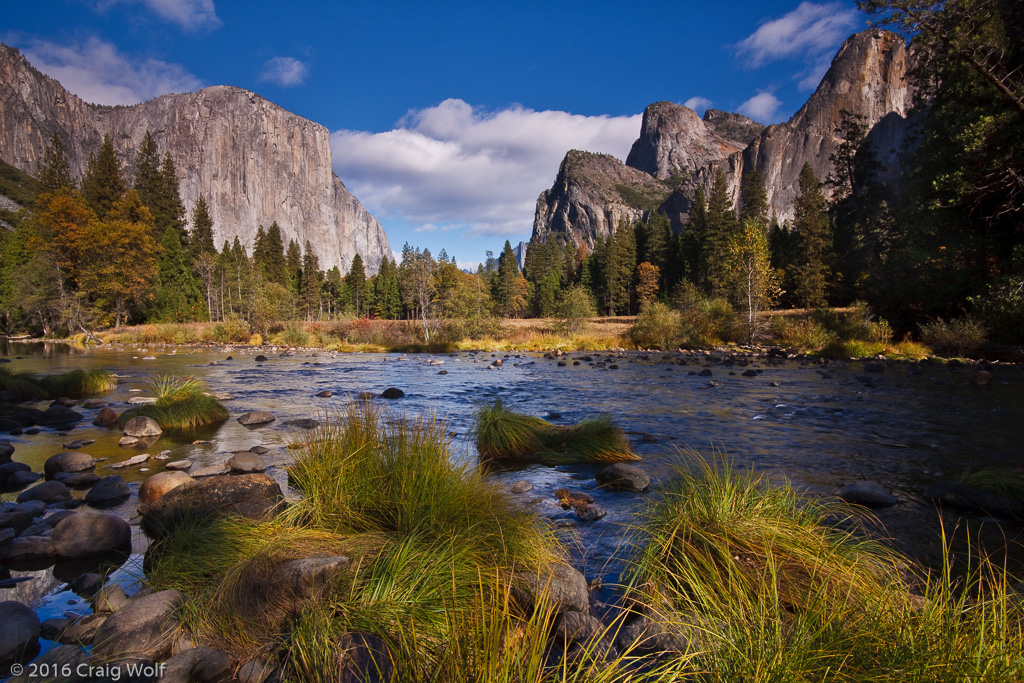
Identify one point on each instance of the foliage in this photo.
(959, 337)
(503, 434)
(749, 269)
(574, 308)
(231, 329)
(810, 272)
(103, 183)
(119, 266)
(656, 325)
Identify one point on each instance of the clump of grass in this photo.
(182, 404)
(958, 337)
(765, 589)
(79, 383)
(852, 348)
(503, 434)
(20, 385)
(1003, 482)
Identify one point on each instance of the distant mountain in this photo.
(255, 162)
(678, 151)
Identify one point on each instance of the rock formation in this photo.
(255, 162)
(677, 151)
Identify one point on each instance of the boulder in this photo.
(576, 627)
(243, 462)
(255, 496)
(621, 476)
(108, 492)
(650, 636)
(94, 403)
(106, 417)
(867, 493)
(6, 451)
(32, 508)
(973, 500)
(110, 598)
(57, 415)
(86, 534)
(256, 417)
(157, 485)
(144, 628)
(81, 480)
(20, 630)
(589, 512)
(256, 671)
(20, 478)
(17, 521)
(141, 426)
(31, 550)
(566, 588)
(521, 486)
(392, 392)
(197, 665)
(363, 657)
(48, 492)
(69, 462)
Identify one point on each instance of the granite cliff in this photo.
(678, 151)
(255, 162)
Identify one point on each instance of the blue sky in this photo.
(447, 119)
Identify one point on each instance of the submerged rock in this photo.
(392, 392)
(867, 493)
(621, 476)
(256, 417)
(973, 500)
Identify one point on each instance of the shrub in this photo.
(231, 329)
(573, 309)
(294, 335)
(958, 337)
(803, 333)
(656, 325)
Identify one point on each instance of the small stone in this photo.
(108, 492)
(588, 512)
(130, 462)
(867, 493)
(256, 417)
(326, 393)
(126, 441)
(179, 465)
(243, 462)
(522, 486)
(141, 426)
(623, 477)
(48, 492)
(106, 417)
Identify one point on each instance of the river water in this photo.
(819, 426)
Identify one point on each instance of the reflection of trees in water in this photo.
(46, 349)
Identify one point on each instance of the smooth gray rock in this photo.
(19, 630)
(244, 462)
(183, 464)
(197, 665)
(576, 627)
(867, 493)
(589, 512)
(110, 598)
(90, 533)
(81, 631)
(31, 550)
(521, 486)
(79, 480)
(48, 492)
(143, 628)
(108, 492)
(106, 417)
(256, 496)
(621, 476)
(158, 485)
(256, 417)
(566, 588)
(141, 426)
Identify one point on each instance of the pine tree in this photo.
(178, 294)
(754, 199)
(722, 226)
(693, 238)
(55, 173)
(356, 280)
(388, 300)
(268, 254)
(201, 239)
(312, 281)
(148, 181)
(813, 241)
(293, 266)
(168, 210)
(505, 288)
(103, 184)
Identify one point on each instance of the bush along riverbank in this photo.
(397, 563)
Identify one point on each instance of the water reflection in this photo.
(43, 349)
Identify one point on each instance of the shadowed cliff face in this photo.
(867, 77)
(253, 161)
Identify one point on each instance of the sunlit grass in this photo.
(503, 434)
(182, 404)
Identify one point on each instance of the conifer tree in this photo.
(168, 210)
(813, 241)
(692, 240)
(55, 173)
(103, 184)
(722, 226)
(312, 281)
(148, 180)
(754, 199)
(178, 295)
(268, 254)
(388, 300)
(356, 281)
(293, 265)
(201, 239)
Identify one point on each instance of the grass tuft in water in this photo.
(182, 404)
(503, 434)
(21, 385)
(79, 383)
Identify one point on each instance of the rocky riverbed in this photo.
(893, 436)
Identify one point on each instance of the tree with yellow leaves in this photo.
(749, 269)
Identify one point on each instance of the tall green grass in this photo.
(182, 404)
(503, 434)
(765, 588)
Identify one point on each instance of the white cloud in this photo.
(284, 71)
(698, 104)
(810, 33)
(98, 73)
(763, 107)
(429, 227)
(459, 167)
(190, 15)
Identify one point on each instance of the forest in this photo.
(941, 245)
